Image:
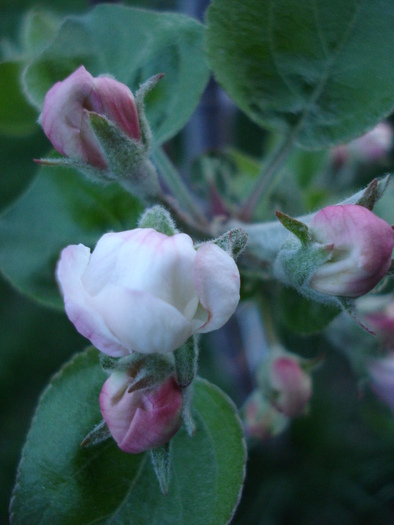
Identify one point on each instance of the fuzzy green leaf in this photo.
(317, 69)
(60, 482)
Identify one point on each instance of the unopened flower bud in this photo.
(361, 254)
(287, 385)
(65, 115)
(143, 419)
(381, 372)
(145, 291)
(371, 147)
(261, 419)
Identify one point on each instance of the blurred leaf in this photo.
(58, 209)
(38, 28)
(132, 45)
(59, 482)
(17, 166)
(304, 316)
(17, 117)
(316, 69)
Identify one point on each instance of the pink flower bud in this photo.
(143, 419)
(290, 385)
(65, 114)
(362, 249)
(144, 291)
(381, 373)
(374, 146)
(262, 420)
(381, 319)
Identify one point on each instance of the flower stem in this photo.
(266, 178)
(180, 191)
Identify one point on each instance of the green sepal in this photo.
(373, 192)
(186, 358)
(127, 158)
(299, 262)
(161, 460)
(145, 131)
(298, 228)
(233, 242)
(91, 172)
(349, 306)
(188, 420)
(99, 434)
(145, 370)
(158, 218)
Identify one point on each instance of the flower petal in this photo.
(141, 321)
(217, 281)
(79, 305)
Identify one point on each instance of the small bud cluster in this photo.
(284, 390)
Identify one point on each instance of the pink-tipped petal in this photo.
(217, 281)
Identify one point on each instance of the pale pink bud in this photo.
(290, 385)
(381, 372)
(65, 114)
(382, 321)
(261, 419)
(362, 250)
(143, 419)
(371, 147)
(144, 291)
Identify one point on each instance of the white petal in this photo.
(79, 305)
(142, 322)
(217, 281)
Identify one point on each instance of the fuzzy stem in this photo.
(177, 186)
(266, 178)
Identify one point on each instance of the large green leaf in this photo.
(59, 482)
(320, 69)
(17, 117)
(132, 45)
(58, 209)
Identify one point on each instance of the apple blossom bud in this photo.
(378, 312)
(381, 372)
(371, 147)
(362, 246)
(145, 291)
(261, 419)
(65, 115)
(142, 419)
(286, 384)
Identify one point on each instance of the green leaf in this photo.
(17, 117)
(316, 69)
(302, 315)
(59, 208)
(60, 482)
(132, 45)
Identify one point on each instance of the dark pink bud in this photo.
(65, 114)
(362, 250)
(143, 419)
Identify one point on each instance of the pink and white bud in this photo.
(372, 147)
(381, 318)
(262, 420)
(362, 250)
(381, 372)
(144, 291)
(290, 386)
(142, 419)
(65, 114)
